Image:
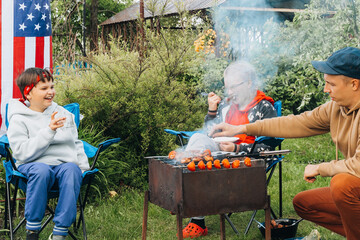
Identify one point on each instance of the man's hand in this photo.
(310, 173)
(227, 146)
(213, 101)
(227, 130)
(56, 123)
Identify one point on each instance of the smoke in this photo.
(251, 29)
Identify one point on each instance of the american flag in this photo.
(25, 41)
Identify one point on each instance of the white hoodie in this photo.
(32, 140)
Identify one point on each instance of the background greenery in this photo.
(132, 96)
(313, 35)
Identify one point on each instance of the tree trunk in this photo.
(94, 25)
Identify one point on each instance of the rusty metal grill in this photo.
(206, 192)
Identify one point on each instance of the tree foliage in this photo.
(324, 27)
(67, 25)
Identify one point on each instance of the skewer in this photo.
(260, 154)
(185, 166)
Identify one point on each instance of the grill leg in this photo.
(145, 214)
(222, 226)
(267, 220)
(179, 224)
(280, 190)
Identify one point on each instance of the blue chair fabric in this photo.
(14, 177)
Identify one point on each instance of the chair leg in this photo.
(6, 208)
(9, 210)
(227, 217)
(83, 202)
(19, 225)
(273, 214)
(72, 235)
(250, 222)
(82, 205)
(52, 214)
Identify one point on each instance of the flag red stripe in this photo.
(39, 53)
(19, 62)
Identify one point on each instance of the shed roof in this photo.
(153, 8)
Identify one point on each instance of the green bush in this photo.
(324, 27)
(299, 88)
(123, 95)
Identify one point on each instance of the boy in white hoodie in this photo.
(44, 140)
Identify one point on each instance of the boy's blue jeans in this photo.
(41, 178)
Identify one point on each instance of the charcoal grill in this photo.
(206, 192)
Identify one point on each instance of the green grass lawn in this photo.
(121, 217)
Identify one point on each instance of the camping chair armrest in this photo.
(276, 161)
(9, 158)
(183, 134)
(4, 143)
(5, 151)
(272, 142)
(104, 145)
(101, 147)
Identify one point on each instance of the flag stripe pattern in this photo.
(25, 42)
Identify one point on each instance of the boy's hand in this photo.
(56, 123)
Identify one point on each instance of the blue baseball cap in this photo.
(345, 62)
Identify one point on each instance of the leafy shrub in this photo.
(324, 27)
(299, 88)
(124, 95)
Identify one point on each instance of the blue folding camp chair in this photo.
(18, 180)
(273, 143)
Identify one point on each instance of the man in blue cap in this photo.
(336, 207)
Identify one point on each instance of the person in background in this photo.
(44, 139)
(244, 104)
(336, 207)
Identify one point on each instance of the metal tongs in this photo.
(260, 154)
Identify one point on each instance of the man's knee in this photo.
(342, 189)
(298, 202)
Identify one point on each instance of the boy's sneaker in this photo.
(193, 230)
(32, 235)
(56, 237)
